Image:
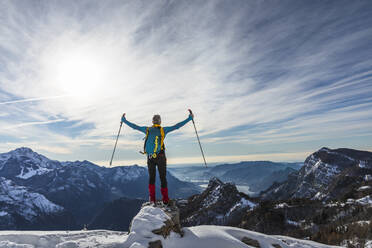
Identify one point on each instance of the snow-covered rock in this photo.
(367, 177)
(282, 205)
(367, 200)
(362, 188)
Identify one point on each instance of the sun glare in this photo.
(78, 72)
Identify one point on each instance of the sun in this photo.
(79, 72)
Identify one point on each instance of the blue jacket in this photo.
(154, 136)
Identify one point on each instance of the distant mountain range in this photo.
(257, 175)
(78, 189)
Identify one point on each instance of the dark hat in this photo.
(156, 119)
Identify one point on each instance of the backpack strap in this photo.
(162, 138)
(147, 136)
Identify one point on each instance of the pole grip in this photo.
(191, 114)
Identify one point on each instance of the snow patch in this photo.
(364, 188)
(282, 205)
(242, 204)
(32, 172)
(362, 164)
(319, 196)
(212, 198)
(367, 200)
(293, 223)
(367, 177)
(3, 213)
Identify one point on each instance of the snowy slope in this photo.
(24, 209)
(61, 239)
(147, 220)
(19, 199)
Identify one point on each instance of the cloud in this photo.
(253, 72)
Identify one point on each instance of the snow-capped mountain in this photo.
(220, 203)
(81, 185)
(326, 174)
(23, 163)
(21, 207)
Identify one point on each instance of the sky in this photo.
(266, 80)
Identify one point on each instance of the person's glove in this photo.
(191, 114)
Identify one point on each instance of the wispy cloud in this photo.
(254, 73)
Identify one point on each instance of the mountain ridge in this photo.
(81, 185)
(324, 175)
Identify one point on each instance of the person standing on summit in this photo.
(155, 150)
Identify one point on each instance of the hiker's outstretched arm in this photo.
(132, 125)
(177, 126)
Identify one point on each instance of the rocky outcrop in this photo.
(153, 224)
(172, 224)
(219, 204)
(251, 242)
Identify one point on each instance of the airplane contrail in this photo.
(32, 123)
(33, 99)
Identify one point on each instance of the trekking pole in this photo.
(197, 136)
(112, 157)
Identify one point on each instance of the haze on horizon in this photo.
(267, 80)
